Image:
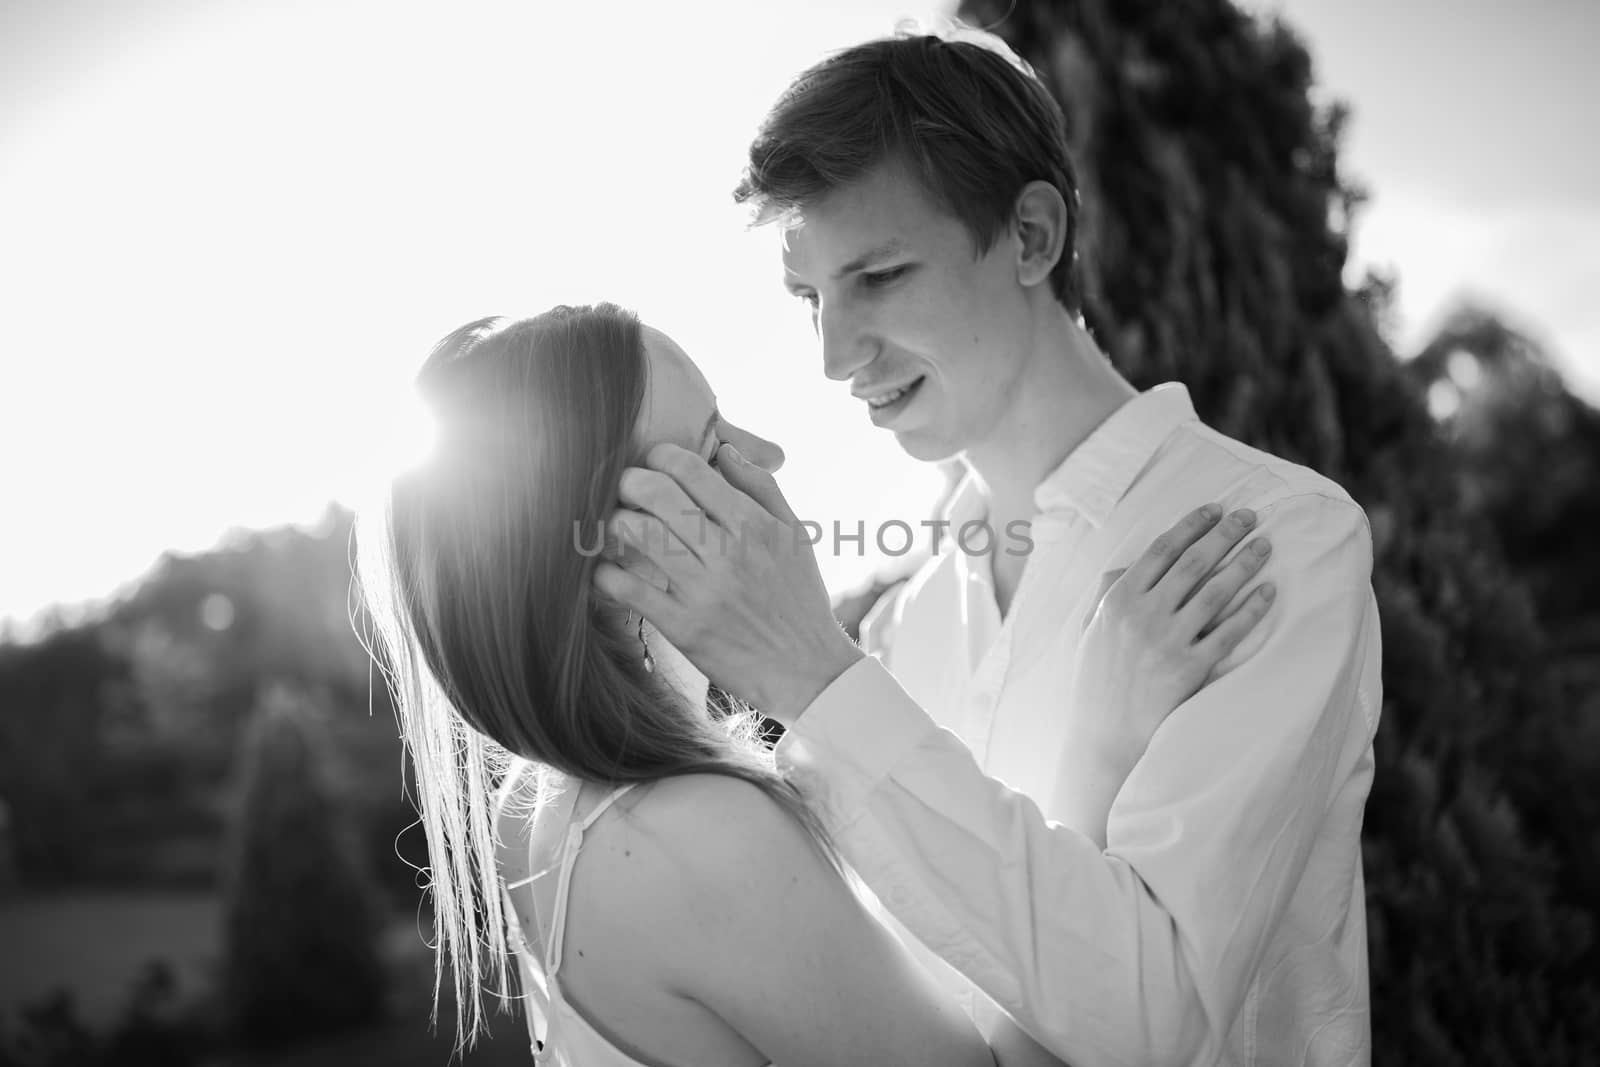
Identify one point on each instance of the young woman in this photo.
(709, 921)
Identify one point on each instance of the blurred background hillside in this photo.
(235, 232)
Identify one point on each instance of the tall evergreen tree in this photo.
(302, 919)
(1214, 234)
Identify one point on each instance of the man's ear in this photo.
(1041, 221)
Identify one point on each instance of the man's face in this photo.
(934, 338)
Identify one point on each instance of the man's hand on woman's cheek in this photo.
(720, 565)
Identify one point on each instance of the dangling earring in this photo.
(649, 664)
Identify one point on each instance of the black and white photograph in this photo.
(754, 533)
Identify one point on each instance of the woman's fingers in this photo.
(1207, 603)
(1189, 573)
(1226, 634)
(1165, 550)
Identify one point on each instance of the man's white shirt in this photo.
(1224, 920)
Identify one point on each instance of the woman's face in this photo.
(681, 408)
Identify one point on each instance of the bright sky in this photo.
(230, 231)
(1474, 131)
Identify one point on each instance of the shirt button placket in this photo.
(984, 700)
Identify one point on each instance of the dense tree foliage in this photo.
(1215, 226)
(58, 699)
(1528, 462)
(120, 730)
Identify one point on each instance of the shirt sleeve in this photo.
(1140, 953)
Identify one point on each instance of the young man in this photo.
(1216, 912)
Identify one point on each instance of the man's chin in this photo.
(924, 446)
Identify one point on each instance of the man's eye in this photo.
(716, 448)
(807, 298)
(879, 278)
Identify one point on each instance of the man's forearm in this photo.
(1066, 939)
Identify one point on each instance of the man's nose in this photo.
(846, 347)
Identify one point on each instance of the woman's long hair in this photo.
(476, 572)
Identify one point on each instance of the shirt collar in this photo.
(967, 502)
(1097, 474)
(1101, 470)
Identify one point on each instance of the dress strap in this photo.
(600, 808)
(534, 877)
(569, 856)
(535, 993)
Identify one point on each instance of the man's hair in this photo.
(958, 109)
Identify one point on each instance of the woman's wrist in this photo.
(1096, 765)
(1110, 727)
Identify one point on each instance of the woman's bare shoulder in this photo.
(698, 849)
(733, 906)
(701, 822)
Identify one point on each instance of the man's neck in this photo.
(1070, 390)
